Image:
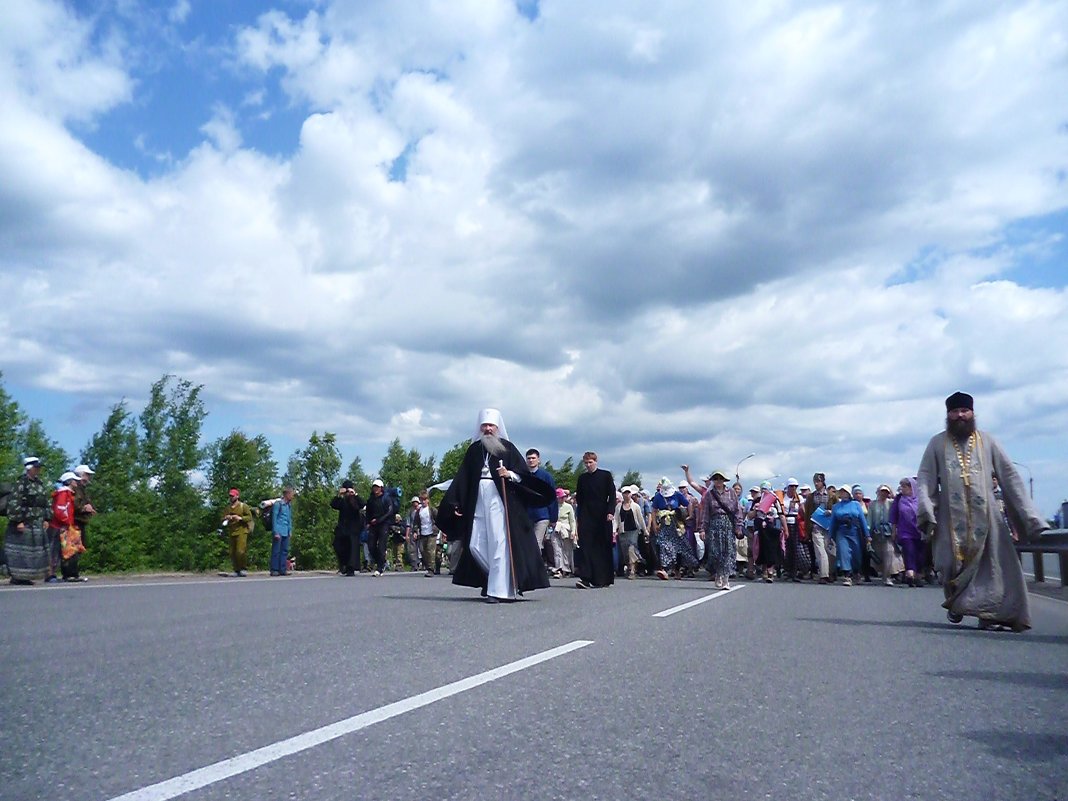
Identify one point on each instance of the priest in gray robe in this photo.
(972, 544)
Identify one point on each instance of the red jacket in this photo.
(62, 508)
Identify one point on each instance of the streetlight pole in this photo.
(737, 475)
(1030, 478)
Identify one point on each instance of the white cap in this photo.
(805, 488)
(30, 461)
(84, 468)
(415, 499)
(791, 482)
(377, 483)
(68, 476)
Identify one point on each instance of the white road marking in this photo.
(202, 777)
(688, 604)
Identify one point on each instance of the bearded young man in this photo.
(486, 508)
(972, 544)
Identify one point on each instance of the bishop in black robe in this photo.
(467, 500)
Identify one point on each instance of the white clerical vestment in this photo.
(489, 537)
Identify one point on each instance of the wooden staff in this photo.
(508, 532)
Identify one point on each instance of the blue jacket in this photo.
(550, 512)
(848, 517)
(282, 518)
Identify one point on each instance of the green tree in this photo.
(119, 482)
(237, 460)
(314, 471)
(170, 451)
(247, 463)
(359, 478)
(407, 470)
(451, 461)
(34, 441)
(566, 475)
(12, 420)
(171, 424)
(121, 535)
(631, 477)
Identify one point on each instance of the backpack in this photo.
(7, 492)
(267, 516)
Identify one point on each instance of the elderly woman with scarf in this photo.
(669, 515)
(882, 534)
(769, 523)
(722, 517)
(849, 528)
(906, 532)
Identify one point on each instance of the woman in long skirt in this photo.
(723, 521)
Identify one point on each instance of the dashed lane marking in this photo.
(689, 604)
(202, 777)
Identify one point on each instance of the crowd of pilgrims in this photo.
(714, 530)
(717, 531)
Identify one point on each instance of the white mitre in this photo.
(490, 416)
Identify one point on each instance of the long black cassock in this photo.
(596, 496)
(524, 550)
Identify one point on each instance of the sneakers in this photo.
(582, 584)
(51, 580)
(847, 582)
(376, 574)
(954, 618)
(75, 578)
(888, 582)
(240, 574)
(430, 574)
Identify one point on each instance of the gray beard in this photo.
(960, 430)
(493, 444)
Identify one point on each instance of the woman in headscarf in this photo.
(669, 515)
(881, 533)
(769, 523)
(849, 528)
(564, 536)
(722, 516)
(906, 532)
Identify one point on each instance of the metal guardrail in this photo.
(1054, 541)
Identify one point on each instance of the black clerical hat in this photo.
(960, 400)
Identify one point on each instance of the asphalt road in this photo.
(775, 691)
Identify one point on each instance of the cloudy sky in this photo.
(683, 231)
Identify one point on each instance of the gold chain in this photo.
(966, 476)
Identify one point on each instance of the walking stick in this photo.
(508, 534)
